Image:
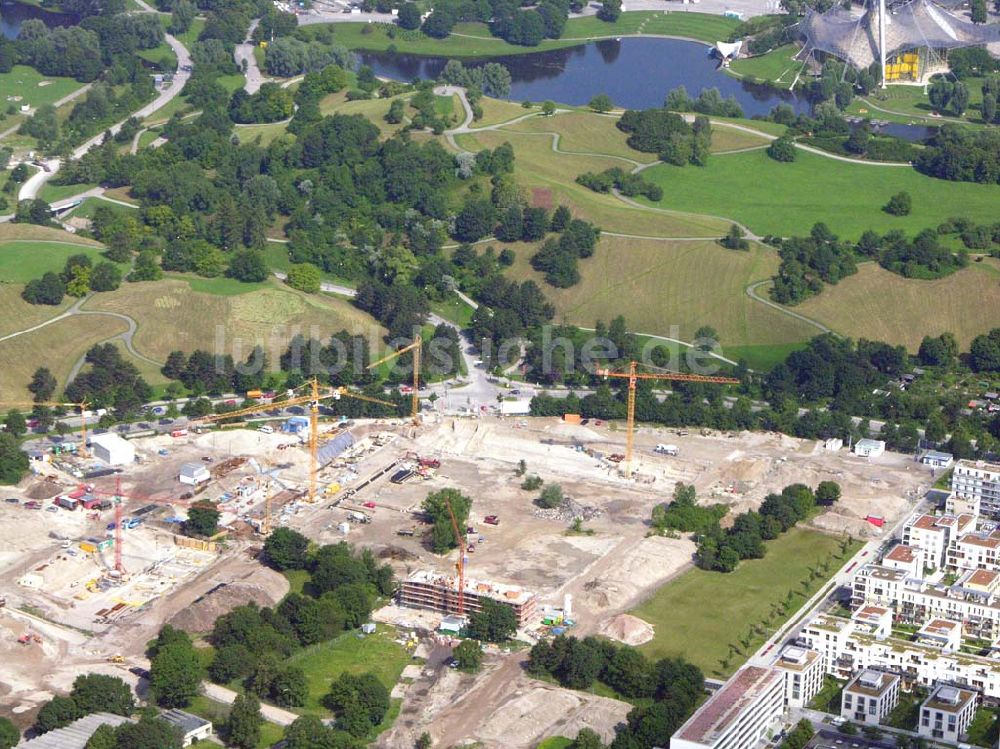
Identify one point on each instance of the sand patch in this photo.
(628, 629)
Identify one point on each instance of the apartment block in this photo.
(428, 590)
(975, 551)
(738, 715)
(931, 535)
(972, 600)
(803, 671)
(975, 488)
(906, 558)
(869, 697)
(849, 646)
(946, 714)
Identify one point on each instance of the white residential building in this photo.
(905, 558)
(931, 535)
(738, 715)
(936, 459)
(848, 646)
(976, 551)
(975, 485)
(803, 670)
(946, 714)
(869, 697)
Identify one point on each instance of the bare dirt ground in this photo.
(606, 569)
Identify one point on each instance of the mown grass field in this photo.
(883, 306)
(686, 626)
(496, 111)
(175, 314)
(474, 40)
(25, 82)
(56, 346)
(374, 109)
(912, 101)
(786, 199)
(267, 132)
(776, 66)
(324, 663)
(537, 166)
(584, 132)
(55, 193)
(23, 260)
(671, 289)
(726, 139)
(16, 314)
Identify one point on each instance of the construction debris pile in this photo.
(568, 511)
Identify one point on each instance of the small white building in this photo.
(112, 449)
(869, 697)
(803, 669)
(515, 408)
(833, 444)
(937, 460)
(945, 715)
(867, 448)
(193, 474)
(191, 727)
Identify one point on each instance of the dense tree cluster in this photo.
(684, 514)
(91, 693)
(963, 155)
(176, 669)
(78, 278)
(253, 643)
(271, 103)
(435, 507)
(557, 258)
(669, 135)
(673, 685)
(923, 256)
(722, 550)
(809, 262)
(708, 102)
(626, 183)
(359, 702)
(492, 79)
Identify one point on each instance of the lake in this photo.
(636, 72)
(12, 15)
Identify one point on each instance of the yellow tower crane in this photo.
(313, 399)
(415, 347)
(633, 378)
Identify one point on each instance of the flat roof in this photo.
(938, 628)
(498, 591)
(902, 553)
(985, 578)
(978, 465)
(871, 683)
(949, 699)
(884, 573)
(794, 658)
(991, 541)
(725, 705)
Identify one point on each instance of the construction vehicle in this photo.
(406, 532)
(633, 377)
(118, 659)
(491, 520)
(670, 450)
(430, 463)
(416, 348)
(53, 404)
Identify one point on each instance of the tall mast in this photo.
(881, 38)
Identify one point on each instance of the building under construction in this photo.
(429, 590)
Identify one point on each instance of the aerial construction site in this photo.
(88, 584)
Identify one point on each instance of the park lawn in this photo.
(474, 40)
(901, 311)
(297, 580)
(57, 346)
(190, 36)
(912, 101)
(187, 314)
(11, 232)
(374, 109)
(777, 66)
(703, 634)
(537, 167)
(147, 138)
(54, 193)
(23, 260)
(704, 27)
(453, 309)
(732, 139)
(25, 82)
(323, 664)
(16, 314)
(276, 254)
(788, 198)
(122, 193)
(671, 289)
(763, 357)
(161, 57)
(584, 132)
(267, 132)
(496, 111)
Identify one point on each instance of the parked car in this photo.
(12, 500)
(52, 508)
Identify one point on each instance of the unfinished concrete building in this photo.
(429, 590)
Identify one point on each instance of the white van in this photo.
(667, 450)
(266, 429)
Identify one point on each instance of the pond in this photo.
(12, 15)
(636, 72)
